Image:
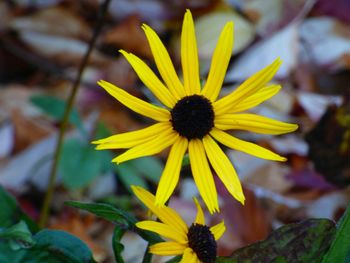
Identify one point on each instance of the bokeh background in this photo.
(42, 44)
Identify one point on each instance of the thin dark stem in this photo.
(76, 84)
(147, 257)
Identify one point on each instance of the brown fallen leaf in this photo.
(81, 226)
(27, 131)
(245, 224)
(49, 21)
(128, 35)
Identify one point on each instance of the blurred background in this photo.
(42, 44)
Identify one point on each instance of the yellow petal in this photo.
(223, 168)
(166, 214)
(189, 56)
(219, 63)
(171, 173)
(131, 139)
(167, 248)
(163, 230)
(164, 64)
(243, 146)
(247, 88)
(148, 77)
(200, 219)
(151, 147)
(189, 257)
(253, 123)
(255, 99)
(202, 175)
(135, 104)
(218, 230)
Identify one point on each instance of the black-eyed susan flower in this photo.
(193, 118)
(196, 243)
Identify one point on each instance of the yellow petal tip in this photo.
(282, 159)
(145, 27)
(116, 160)
(241, 200)
(229, 24)
(295, 127)
(133, 188)
(214, 210)
(159, 201)
(98, 147)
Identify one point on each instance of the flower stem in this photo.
(48, 197)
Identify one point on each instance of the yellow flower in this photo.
(193, 118)
(196, 243)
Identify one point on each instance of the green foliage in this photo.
(8, 254)
(340, 248)
(11, 213)
(18, 236)
(186, 160)
(174, 259)
(51, 246)
(55, 108)
(137, 171)
(59, 246)
(121, 218)
(149, 167)
(128, 175)
(80, 163)
(306, 241)
(18, 244)
(117, 246)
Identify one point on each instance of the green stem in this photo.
(48, 197)
(147, 257)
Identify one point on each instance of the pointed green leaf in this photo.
(123, 219)
(304, 242)
(340, 248)
(11, 212)
(57, 246)
(149, 167)
(18, 235)
(117, 246)
(55, 108)
(80, 163)
(128, 175)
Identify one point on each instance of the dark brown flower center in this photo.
(202, 242)
(193, 117)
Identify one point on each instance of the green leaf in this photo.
(18, 236)
(150, 167)
(340, 247)
(185, 160)
(80, 163)
(128, 175)
(123, 219)
(55, 108)
(175, 259)
(11, 213)
(57, 246)
(9, 209)
(117, 246)
(52, 246)
(147, 256)
(8, 254)
(306, 241)
(108, 212)
(102, 131)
